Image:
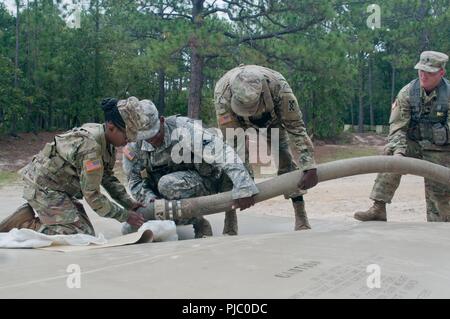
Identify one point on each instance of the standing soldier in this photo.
(154, 171)
(252, 96)
(419, 127)
(73, 166)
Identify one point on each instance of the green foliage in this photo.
(346, 152)
(144, 48)
(7, 177)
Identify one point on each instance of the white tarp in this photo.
(27, 238)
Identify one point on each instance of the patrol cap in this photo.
(246, 89)
(151, 112)
(431, 61)
(134, 115)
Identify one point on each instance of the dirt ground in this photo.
(331, 200)
(15, 152)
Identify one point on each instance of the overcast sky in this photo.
(9, 4)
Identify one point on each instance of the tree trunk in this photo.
(35, 42)
(361, 101)
(313, 114)
(197, 63)
(392, 83)
(16, 67)
(372, 120)
(307, 107)
(424, 36)
(97, 52)
(16, 60)
(32, 124)
(352, 116)
(195, 85)
(161, 106)
(50, 114)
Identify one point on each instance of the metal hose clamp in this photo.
(170, 210)
(178, 209)
(160, 208)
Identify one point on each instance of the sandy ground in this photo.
(339, 199)
(262, 262)
(331, 200)
(266, 260)
(335, 200)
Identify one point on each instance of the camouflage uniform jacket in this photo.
(77, 163)
(283, 113)
(402, 124)
(144, 164)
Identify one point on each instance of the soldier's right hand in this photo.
(135, 205)
(135, 219)
(309, 179)
(244, 203)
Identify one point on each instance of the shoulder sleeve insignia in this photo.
(291, 106)
(129, 153)
(92, 165)
(224, 119)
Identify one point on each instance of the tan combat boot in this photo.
(23, 217)
(202, 228)
(301, 219)
(376, 213)
(230, 226)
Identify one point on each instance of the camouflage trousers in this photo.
(187, 184)
(284, 161)
(58, 213)
(437, 195)
(387, 183)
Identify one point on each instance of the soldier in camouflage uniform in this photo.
(419, 127)
(74, 165)
(252, 96)
(153, 171)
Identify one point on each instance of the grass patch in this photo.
(344, 153)
(7, 177)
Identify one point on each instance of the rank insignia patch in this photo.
(291, 106)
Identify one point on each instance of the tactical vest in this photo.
(429, 122)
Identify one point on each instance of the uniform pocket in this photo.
(29, 192)
(440, 134)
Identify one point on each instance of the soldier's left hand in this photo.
(244, 203)
(135, 219)
(136, 205)
(309, 179)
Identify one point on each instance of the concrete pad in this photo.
(411, 258)
(267, 259)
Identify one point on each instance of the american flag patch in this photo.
(224, 119)
(93, 165)
(129, 154)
